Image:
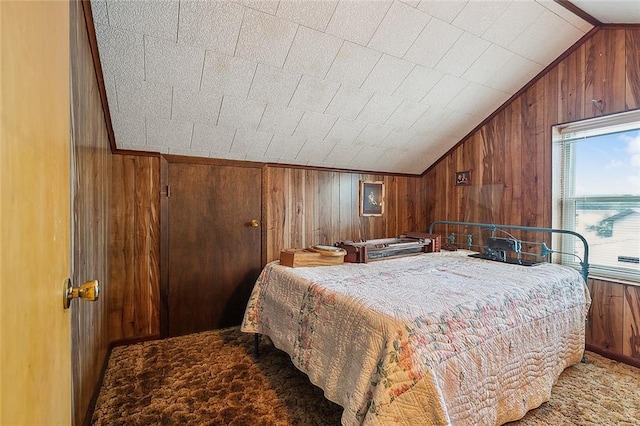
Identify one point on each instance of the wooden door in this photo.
(214, 254)
(35, 366)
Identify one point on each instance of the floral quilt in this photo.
(432, 339)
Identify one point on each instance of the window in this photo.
(596, 178)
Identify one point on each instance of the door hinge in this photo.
(166, 192)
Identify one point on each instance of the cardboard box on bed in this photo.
(306, 257)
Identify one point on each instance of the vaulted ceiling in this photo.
(374, 85)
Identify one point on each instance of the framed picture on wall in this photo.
(371, 198)
(463, 178)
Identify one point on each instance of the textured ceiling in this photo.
(611, 11)
(386, 86)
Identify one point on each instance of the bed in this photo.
(429, 339)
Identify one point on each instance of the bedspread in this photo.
(437, 338)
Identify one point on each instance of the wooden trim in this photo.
(93, 44)
(164, 247)
(173, 158)
(506, 104)
(613, 355)
(579, 12)
(620, 26)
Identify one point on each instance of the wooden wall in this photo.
(305, 207)
(90, 180)
(134, 248)
(510, 157)
(614, 320)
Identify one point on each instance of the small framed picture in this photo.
(463, 178)
(371, 198)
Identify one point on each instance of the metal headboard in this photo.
(516, 244)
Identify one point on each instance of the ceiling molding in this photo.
(579, 12)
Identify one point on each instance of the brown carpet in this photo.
(211, 378)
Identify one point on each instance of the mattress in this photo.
(433, 339)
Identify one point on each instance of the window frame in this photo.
(565, 201)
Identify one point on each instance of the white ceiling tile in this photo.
(387, 75)
(313, 94)
(356, 21)
(433, 42)
(314, 125)
(623, 11)
(267, 6)
(121, 52)
(366, 159)
(129, 129)
(211, 25)
(492, 60)
(313, 14)
(515, 19)
(514, 74)
(552, 37)
(285, 147)
(444, 91)
(312, 52)
(348, 102)
(431, 119)
(273, 85)
(398, 137)
(353, 64)
(418, 83)
(345, 131)
(227, 75)
(315, 150)
(342, 155)
(444, 10)
(212, 138)
(265, 38)
(477, 16)
(99, 11)
(412, 3)
(140, 97)
(249, 141)
(168, 133)
(485, 99)
(372, 135)
(202, 106)
(457, 125)
(151, 17)
(173, 63)
(240, 113)
(398, 30)
(379, 108)
(462, 54)
(407, 114)
(280, 120)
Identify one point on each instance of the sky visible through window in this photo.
(608, 164)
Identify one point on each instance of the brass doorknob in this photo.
(87, 291)
(254, 223)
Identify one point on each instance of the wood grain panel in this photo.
(134, 299)
(631, 322)
(91, 172)
(632, 45)
(605, 316)
(305, 207)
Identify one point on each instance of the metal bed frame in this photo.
(497, 247)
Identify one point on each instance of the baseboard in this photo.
(635, 362)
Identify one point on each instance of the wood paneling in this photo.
(134, 272)
(513, 151)
(305, 207)
(91, 176)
